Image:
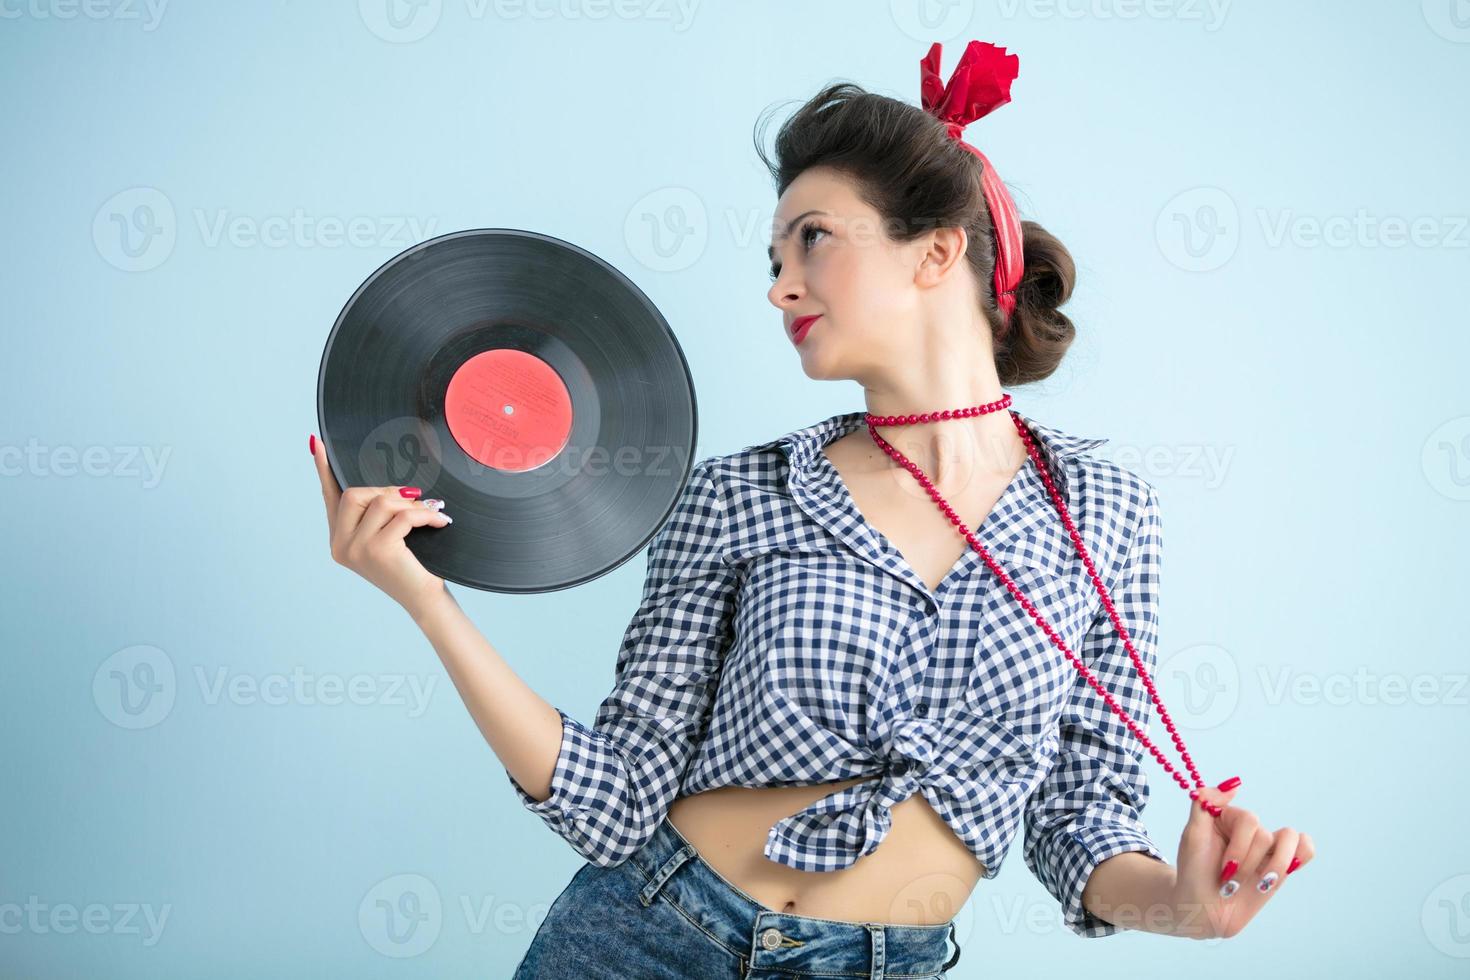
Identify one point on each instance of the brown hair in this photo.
(909, 170)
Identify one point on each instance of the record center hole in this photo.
(509, 410)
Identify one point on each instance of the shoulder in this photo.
(756, 468)
(761, 464)
(1117, 504)
(754, 489)
(765, 466)
(1114, 486)
(750, 484)
(1112, 498)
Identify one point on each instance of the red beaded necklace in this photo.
(1004, 402)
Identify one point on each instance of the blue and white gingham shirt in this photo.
(782, 640)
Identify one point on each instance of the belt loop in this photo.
(664, 873)
(880, 951)
(956, 957)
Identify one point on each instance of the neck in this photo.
(952, 451)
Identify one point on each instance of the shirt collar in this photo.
(1023, 531)
(802, 445)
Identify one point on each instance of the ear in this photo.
(942, 252)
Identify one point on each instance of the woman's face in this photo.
(839, 264)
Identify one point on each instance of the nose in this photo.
(785, 292)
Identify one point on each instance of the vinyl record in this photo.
(528, 384)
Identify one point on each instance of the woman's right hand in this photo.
(367, 528)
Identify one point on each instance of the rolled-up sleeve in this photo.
(1089, 806)
(613, 782)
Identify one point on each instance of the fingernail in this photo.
(1230, 783)
(447, 518)
(311, 444)
(1266, 882)
(412, 493)
(1295, 863)
(433, 503)
(1228, 889)
(1230, 867)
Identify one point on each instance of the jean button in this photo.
(771, 938)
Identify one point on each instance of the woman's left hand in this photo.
(1222, 863)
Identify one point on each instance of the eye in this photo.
(807, 231)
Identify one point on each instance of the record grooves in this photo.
(531, 386)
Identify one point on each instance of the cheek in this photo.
(848, 275)
(872, 287)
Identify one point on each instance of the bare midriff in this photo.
(920, 874)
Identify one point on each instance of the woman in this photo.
(831, 714)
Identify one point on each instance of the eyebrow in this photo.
(771, 249)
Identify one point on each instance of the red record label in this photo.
(508, 409)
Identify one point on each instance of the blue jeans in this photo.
(665, 914)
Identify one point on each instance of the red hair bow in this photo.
(981, 83)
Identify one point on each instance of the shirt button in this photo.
(771, 938)
(921, 709)
(901, 767)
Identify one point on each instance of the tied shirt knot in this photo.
(911, 749)
(852, 822)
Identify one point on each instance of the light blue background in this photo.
(1300, 403)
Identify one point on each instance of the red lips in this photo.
(801, 325)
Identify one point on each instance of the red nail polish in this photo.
(1230, 867)
(1230, 783)
(311, 444)
(1295, 863)
(412, 493)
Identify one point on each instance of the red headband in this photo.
(981, 83)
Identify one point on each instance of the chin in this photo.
(816, 369)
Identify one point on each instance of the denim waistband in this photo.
(768, 939)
